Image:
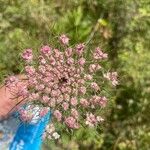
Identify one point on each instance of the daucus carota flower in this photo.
(31, 113)
(99, 119)
(81, 61)
(50, 133)
(68, 52)
(74, 113)
(95, 86)
(82, 90)
(46, 49)
(103, 101)
(65, 81)
(34, 96)
(29, 70)
(57, 115)
(27, 55)
(80, 48)
(56, 135)
(11, 81)
(98, 54)
(64, 39)
(91, 120)
(112, 76)
(43, 112)
(71, 122)
(84, 102)
(65, 105)
(45, 99)
(88, 77)
(73, 101)
(25, 116)
(94, 67)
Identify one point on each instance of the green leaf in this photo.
(102, 22)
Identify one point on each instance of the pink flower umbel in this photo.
(95, 86)
(112, 76)
(71, 122)
(58, 115)
(11, 81)
(66, 82)
(98, 54)
(64, 39)
(46, 49)
(80, 48)
(27, 55)
(73, 101)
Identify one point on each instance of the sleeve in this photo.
(29, 136)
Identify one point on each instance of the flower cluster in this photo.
(112, 76)
(64, 80)
(50, 132)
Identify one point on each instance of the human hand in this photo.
(7, 102)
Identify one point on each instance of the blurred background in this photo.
(121, 27)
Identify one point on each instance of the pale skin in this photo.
(7, 102)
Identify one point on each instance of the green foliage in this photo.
(121, 27)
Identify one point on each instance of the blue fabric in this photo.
(8, 128)
(29, 136)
